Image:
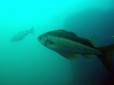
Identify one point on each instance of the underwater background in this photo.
(27, 62)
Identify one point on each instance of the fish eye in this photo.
(40, 38)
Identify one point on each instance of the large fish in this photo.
(21, 35)
(69, 45)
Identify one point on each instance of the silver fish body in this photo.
(66, 45)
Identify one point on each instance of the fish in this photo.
(21, 35)
(70, 46)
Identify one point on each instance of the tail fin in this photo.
(106, 56)
(31, 30)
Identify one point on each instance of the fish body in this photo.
(21, 35)
(67, 42)
(69, 45)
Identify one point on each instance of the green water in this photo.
(27, 62)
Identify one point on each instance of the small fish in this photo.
(69, 45)
(21, 35)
